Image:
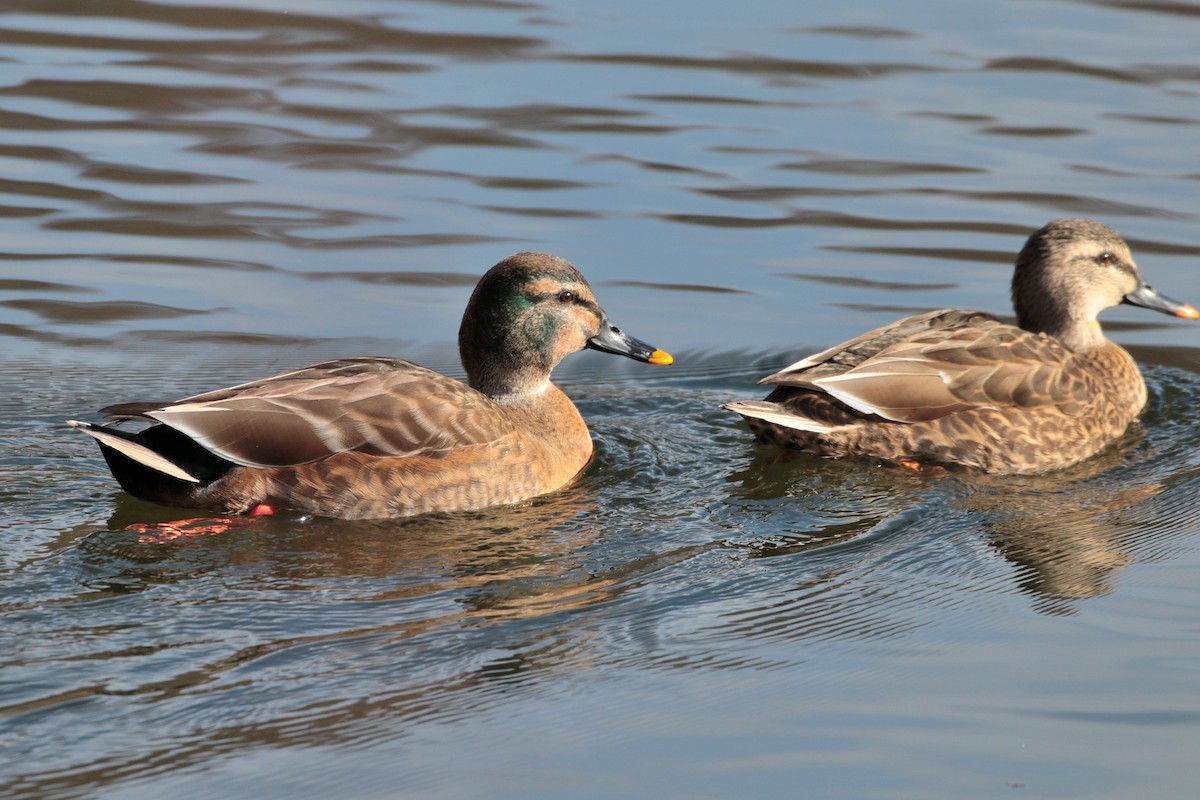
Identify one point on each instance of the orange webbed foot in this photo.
(160, 532)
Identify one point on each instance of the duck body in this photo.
(965, 388)
(367, 437)
(962, 396)
(378, 437)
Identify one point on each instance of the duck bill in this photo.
(1146, 297)
(612, 339)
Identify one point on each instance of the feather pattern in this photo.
(382, 407)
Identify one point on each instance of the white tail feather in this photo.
(772, 413)
(139, 453)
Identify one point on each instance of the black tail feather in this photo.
(150, 484)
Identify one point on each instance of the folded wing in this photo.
(940, 363)
(377, 406)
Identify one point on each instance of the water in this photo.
(196, 195)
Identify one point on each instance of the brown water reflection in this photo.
(520, 561)
(1071, 544)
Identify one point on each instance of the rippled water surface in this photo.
(193, 195)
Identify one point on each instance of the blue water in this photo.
(193, 195)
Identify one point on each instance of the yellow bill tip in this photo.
(663, 357)
(1187, 312)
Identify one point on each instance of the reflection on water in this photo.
(1071, 544)
(194, 195)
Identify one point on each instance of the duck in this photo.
(955, 387)
(377, 437)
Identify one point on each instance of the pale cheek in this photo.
(1102, 303)
(569, 343)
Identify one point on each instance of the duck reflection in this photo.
(504, 563)
(1070, 533)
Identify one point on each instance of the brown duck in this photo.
(382, 437)
(962, 387)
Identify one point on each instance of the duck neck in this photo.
(1078, 335)
(506, 383)
(514, 393)
(501, 360)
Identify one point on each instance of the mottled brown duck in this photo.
(962, 387)
(381, 437)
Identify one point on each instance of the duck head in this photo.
(1071, 270)
(529, 312)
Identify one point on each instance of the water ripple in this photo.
(195, 195)
(756, 65)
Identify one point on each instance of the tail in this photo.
(775, 414)
(128, 445)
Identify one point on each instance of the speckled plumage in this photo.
(962, 387)
(382, 437)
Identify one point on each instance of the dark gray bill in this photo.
(1146, 297)
(612, 339)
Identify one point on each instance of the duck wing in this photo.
(853, 352)
(378, 406)
(936, 364)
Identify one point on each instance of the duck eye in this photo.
(566, 296)
(1105, 258)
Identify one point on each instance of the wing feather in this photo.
(936, 364)
(378, 406)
